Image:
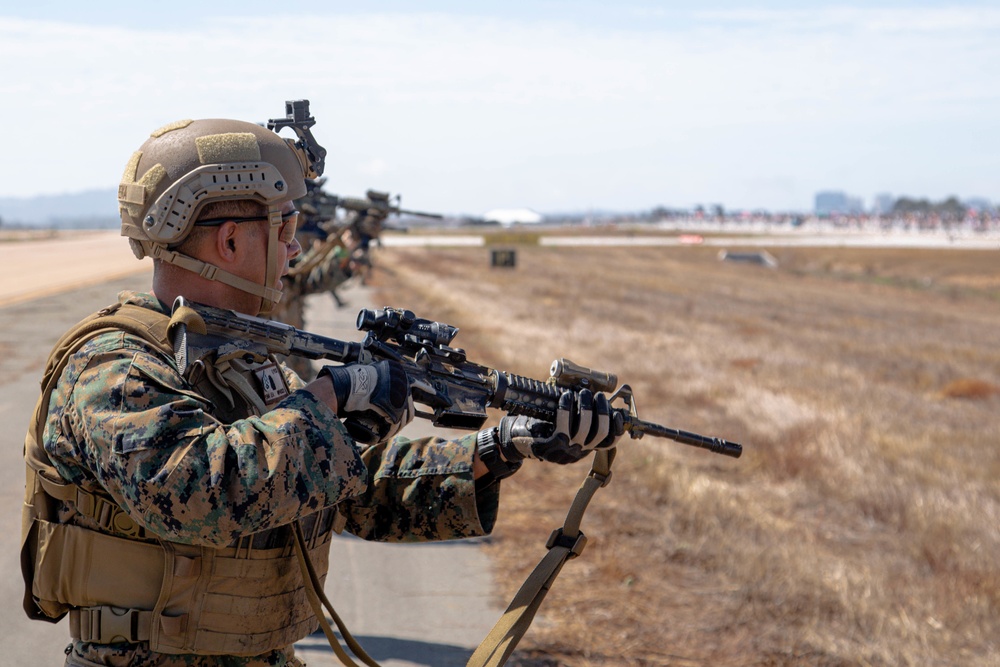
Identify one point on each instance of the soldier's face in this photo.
(288, 247)
(288, 244)
(250, 260)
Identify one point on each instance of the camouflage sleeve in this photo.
(122, 418)
(421, 490)
(292, 378)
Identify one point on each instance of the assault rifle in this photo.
(456, 391)
(323, 206)
(378, 204)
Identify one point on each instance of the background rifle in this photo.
(456, 390)
(379, 204)
(366, 217)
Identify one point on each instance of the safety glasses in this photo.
(286, 233)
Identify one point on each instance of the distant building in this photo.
(883, 203)
(833, 201)
(512, 216)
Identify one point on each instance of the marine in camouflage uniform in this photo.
(125, 423)
(181, 489)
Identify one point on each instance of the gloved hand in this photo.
(582, 425)
(373, 399)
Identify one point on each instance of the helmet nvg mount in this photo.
(190, 163)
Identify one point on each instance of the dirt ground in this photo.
(860, 527)
(35, 263)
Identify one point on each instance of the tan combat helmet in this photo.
(190, 163)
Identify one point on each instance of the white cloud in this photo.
(747, 108)
(373, 167)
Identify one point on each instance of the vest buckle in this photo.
(109, 625)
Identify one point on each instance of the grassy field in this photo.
(862, 524)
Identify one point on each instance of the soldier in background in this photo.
(335, 250)
(322, 267)
(366, 221)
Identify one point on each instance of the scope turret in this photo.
(396, 324)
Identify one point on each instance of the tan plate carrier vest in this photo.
(121, 585)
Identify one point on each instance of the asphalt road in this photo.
(408, 605)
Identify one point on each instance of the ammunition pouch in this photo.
(179, 598)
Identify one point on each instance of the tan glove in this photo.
(583, 424)
(373, 399)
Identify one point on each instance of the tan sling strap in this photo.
(564, 543)
(318, 600)
(313, 257)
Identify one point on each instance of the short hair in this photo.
(234, 208)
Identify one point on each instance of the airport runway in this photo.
(31, 269)
(408, 605)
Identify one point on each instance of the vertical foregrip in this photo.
(517, 395)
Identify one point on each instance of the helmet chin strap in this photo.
(269, 295)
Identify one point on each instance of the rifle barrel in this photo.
(638, 428)
(420, 214)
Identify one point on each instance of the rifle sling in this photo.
(564, 543)
(313, 258)
(318, 600)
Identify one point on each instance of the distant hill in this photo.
(89, 209)
(98, 209)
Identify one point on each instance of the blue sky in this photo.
(464, 107)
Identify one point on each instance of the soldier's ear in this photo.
(225, 240)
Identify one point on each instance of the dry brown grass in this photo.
(861, 526)
(969, 388)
